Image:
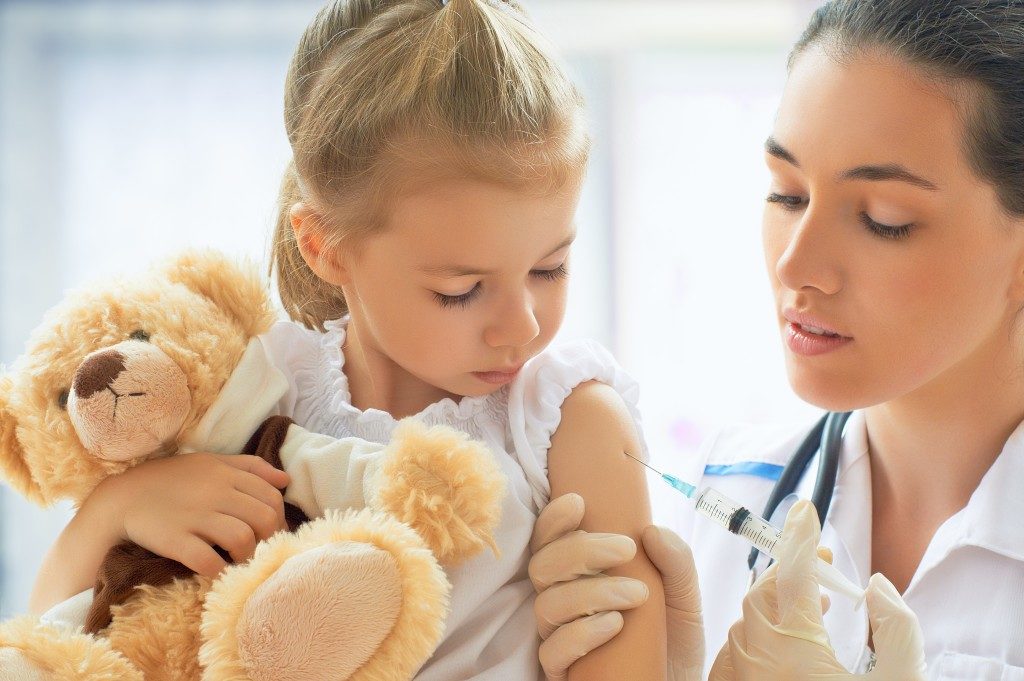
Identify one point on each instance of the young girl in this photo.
(423, 243)
(894, 238)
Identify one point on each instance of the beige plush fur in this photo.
(203, 334)
(63, 655)
(438, 483)
(359, 592)
(419, 622)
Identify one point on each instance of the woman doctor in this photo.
(894, 238)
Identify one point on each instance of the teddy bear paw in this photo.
(444, 485)
(14, 666)
(321, 615)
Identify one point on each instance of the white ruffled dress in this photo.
(490, 632)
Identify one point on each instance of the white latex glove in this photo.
(566, 571)
(782, 637)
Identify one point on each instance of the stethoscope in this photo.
(825, 437)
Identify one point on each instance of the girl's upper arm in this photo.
(587, 457)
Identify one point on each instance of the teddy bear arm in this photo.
(125, 567)
(328, 472)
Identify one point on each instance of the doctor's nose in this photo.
(515, 325)
(808, 256)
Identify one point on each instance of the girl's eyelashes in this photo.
(789, 202)
(894, 232)
(464, 299)
(560, 272)
(461, 300)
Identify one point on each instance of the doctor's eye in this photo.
(786, 201)
(62, 399)
(139, 335)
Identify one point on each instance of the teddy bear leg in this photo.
(321, 615)
(345, 597)
(14, 666)
(38, 651)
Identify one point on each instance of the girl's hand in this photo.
(566, 571)
(782, 636)
(181, 506)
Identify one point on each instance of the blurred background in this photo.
(129, 130)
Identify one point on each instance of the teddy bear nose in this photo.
(98, 372)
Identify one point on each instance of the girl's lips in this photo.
(497, 377)
(804, 342)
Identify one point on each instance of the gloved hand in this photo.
(566, 571)
(782, 637)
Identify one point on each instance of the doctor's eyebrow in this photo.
(877, 173)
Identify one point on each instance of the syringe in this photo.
(758, 531)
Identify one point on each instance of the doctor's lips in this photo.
(498, 376)
(806, 335)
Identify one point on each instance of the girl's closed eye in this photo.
(463, 300)
(459, 300)
(554, 274)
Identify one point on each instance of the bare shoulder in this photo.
(587, 454)
(596, 409)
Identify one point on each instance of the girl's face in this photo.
(894, 270)
(467, 281)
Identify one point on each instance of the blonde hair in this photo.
(382, 95)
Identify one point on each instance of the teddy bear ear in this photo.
(234, 287)
(12, 456)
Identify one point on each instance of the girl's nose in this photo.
(515, 326)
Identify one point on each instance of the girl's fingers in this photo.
(195, 554)
(256, 466)
(231, 534)
(265, 493)
(262, 519)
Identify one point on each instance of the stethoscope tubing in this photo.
(826, 437)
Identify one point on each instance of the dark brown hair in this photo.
(974, 43)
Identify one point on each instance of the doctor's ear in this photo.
(312, 237)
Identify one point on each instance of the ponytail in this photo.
(381, 94)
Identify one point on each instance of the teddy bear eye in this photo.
(62, 399)
(140, 335)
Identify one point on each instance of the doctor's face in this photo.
(895, 270)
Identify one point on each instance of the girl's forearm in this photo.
(71, 564)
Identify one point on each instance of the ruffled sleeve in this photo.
(536, 397)
(295, 351)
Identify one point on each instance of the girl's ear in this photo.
(235, 288)
(309, 230)
(12, 456)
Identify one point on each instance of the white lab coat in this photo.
(968, 591)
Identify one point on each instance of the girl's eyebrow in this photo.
(461, 271)
(876, 173)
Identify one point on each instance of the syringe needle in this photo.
(642, 463)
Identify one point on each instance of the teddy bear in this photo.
(172, 362)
